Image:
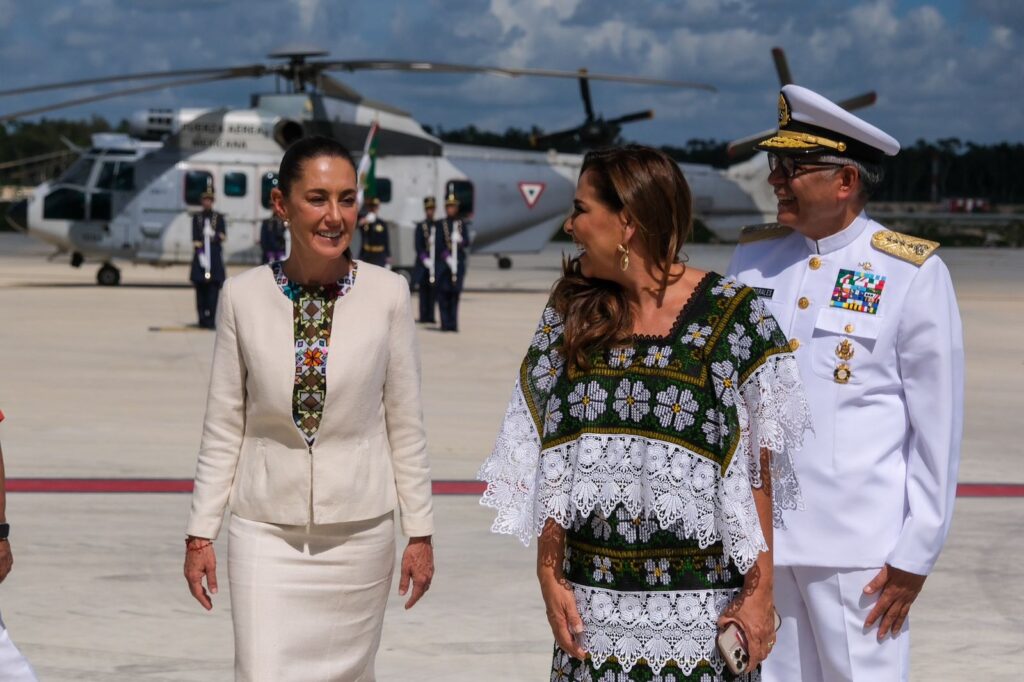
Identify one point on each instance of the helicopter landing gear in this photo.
(108, 276)
(504, 262)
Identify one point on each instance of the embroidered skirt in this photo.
(649, 599)
(308, 603)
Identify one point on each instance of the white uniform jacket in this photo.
(370, 453)
(880, 348)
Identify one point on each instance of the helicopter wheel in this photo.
(108, 276)
(504, 263)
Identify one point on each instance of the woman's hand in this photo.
(559, 599)
(200, 560)
(753, 611)
(563, 615)
(417, 566)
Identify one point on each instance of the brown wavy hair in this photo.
(650, 188)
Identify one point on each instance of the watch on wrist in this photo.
(5, 530)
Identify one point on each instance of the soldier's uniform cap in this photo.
(812, 124)
(373, 201)
(451, 201)
(429, 202)
(208, 194)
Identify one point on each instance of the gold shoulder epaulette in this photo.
(911, 249)
(755, 233)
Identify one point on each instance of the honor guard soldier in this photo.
(209, 231)
(375, 247)
(873, 320)
(272, 239)
(424, 273)
(451, 244)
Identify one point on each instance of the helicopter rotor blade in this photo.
(440, 67)
(223, 75)
(859, 102)
(253, 69)
(744, 146)
(630, 118)
(548, 138)
(781, 66)
(588, 105)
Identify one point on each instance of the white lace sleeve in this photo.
(773, 415)
(511, 472)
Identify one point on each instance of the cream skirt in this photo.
(308, 602)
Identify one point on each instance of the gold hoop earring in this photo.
(624, 261)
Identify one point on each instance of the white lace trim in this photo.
(655, 626)
(775, 395)
(651, 477)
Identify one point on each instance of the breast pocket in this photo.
(843, 341)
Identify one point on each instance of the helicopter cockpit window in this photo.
(64, 204)
(196, 182)
(124, 179)
(234, 184)
(99, 206)
(78, 173)
(268, 183)
(384, 190)
(463, 191)
(116, 175)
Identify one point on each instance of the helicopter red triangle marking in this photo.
(531, 192)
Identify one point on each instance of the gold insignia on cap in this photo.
(842, 373)
(784, 117)
(911, 249)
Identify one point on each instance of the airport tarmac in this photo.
(110, 383)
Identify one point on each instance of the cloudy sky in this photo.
(942, 68)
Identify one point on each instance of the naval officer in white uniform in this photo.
(873, 318)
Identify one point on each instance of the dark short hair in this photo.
(305, 149)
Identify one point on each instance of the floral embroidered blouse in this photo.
(667, 432)
(312, 314)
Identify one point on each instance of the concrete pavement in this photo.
(91, 391)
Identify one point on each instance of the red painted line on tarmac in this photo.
(184, 485)
(171, 485)
(990, 490)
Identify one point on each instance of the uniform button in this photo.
(794, 344)
(804, 302)
(814, 263)
(849, 328)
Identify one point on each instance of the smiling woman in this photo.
(312, 485)
(648, 440)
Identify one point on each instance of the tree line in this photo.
(925, 171)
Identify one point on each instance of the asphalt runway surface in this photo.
(104, 390)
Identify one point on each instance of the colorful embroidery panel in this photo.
(859, 291)
(676, 389)
(312, 315)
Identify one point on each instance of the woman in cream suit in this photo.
(313, 436)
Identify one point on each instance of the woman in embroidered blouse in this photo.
(647, 441)
(312, 455)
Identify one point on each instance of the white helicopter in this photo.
(128, 197)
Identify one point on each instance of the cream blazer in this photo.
(370, 453)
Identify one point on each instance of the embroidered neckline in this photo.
(294, 290)
(684, 312)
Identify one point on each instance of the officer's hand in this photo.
(898, 590)
(6, 559)
(200, 560)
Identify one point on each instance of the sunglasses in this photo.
(792, 168)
